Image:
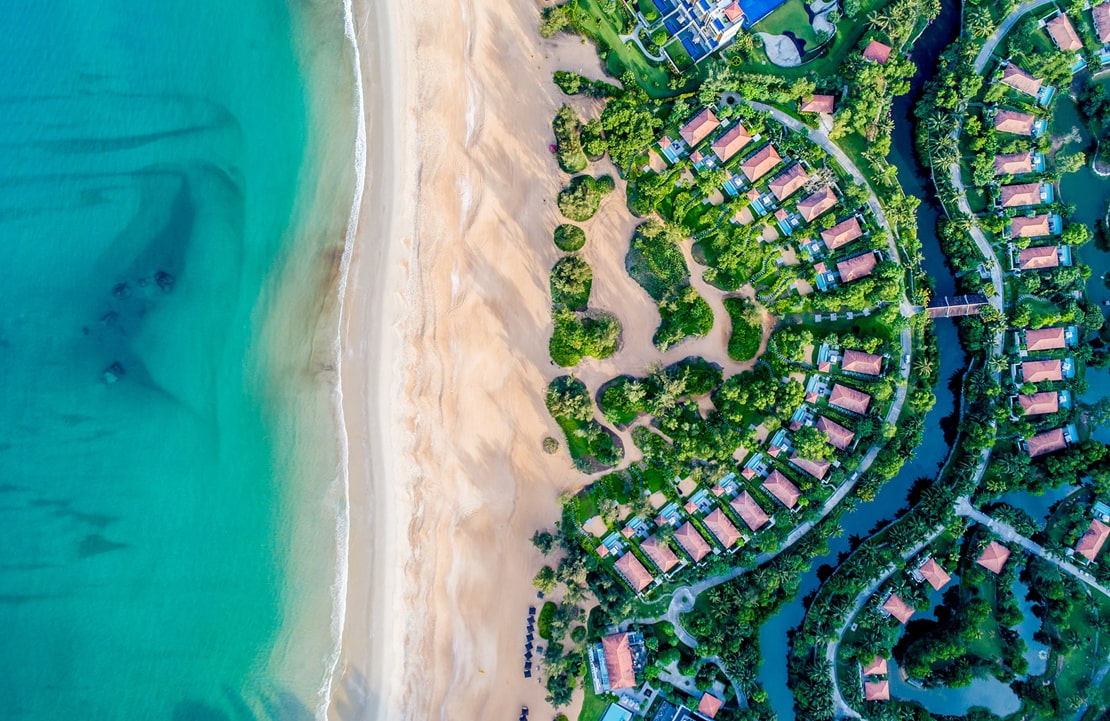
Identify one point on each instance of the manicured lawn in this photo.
(593, 706)
(791, 16)
(607, 29)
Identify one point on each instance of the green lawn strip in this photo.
(605, 27)
(593, 706)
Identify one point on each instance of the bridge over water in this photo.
(954, 306)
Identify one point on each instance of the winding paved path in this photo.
(1000, 32)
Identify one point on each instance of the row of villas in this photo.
(1050, 365)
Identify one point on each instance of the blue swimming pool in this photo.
(756, 10)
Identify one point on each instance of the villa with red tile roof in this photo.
(877, 667)
(818, 104)
(699, 127)
(859, 362)
(659, 553)
(849, 399)
(753, 516)
(781, 488)
(993, 557)
(1020, 195)
(1046, 442)
(1039, 371)
(877, 52)
(817, 469)
(1038, 404)
(895, 606)
(876, 690)
(931, 571)
(1014, 163)
(815, 204)
(634, 572)
(618, 661)
(709, 705)
(1063, 34)
(839, 436)
(1020, 80)
(1046, 338)
(760, 163)
(692, 541)
(789, 181)
(1101, 15)
(731, 142)
(719, 525)
(1011, 121)
(1035, 227)
(842, 233)
(1091, 542)
(856, 267)
(1039, 258)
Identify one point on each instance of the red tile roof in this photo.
(634, 572)
(814, 204)
(859, 362)
(849, 399)
(749, 511)
(781, 488)
(731, 142)
(618, 661)
(1046, 338)
(1101, 15)
(1063, 34)
(1091, 542)
(1015, 196)
(659, 553)
(760, 163)
(839, 436)
(1010, 121)
(993, 557)
(817, 469)
(934, 574)
(876, 691)
(691, 541)
(856, 267)
(734, 12)
(1013, 163)
(842, 233)
(1045, 256)
(708, 706)
(719, 525)
(1046, 442)
(1020, 80)
(1035, 227)
(789, 181)
(699, 127)
(1039, 371)
(898, 608)
(1039, 403)
(877, 667)
(818, 104)
(877, 52)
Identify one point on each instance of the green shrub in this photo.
(580, 200)
(656, 263)
(569, 238)
(747, 328)
(593, 140)
(543, 621)
(592, 446)
(571, 279)
(568, 140)
(576, 336)
(686, 314)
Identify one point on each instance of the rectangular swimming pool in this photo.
(756, 10)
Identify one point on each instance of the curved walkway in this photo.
(1007, 23)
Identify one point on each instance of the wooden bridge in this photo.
(955, 306)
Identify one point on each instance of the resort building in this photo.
(1046, 338)
(1013, 122)
(634, 572)
(699, 127)
(877, 667)
(692, 541)
(815, 204)
(731, 142)
(722, 529)
(842, 233)
(781, 488)
(1024, 194)
(615, 661)
(993, 557)
(876, 690)
(839, 437)
(1063, 34)
(1047, 442)
(818, 104)
(1092, 540)
(877, 52)
(1039, 371)
(895, 606)
(753, 516)
(702, 26)
(1016, 163)
(817, 469)
(931, 571)
(709, 705)
(1039, 404)
(859, 362)
(1020, 80)
(659, 553)
(789, 181)
(760, 163)
(856, 267)
(1043, 257)
(1101, 15)
(849, 399)
(1035, 226)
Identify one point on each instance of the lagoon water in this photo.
(169, 523)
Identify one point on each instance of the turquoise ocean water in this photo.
(167, 540)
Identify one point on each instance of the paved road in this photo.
(994, 265)
(1010, 20)
(1008, 533)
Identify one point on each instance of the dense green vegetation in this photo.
(571, 279)
(569, 238)
(568, 140)
(576, 335)
(580, 200)
(747, 328)
(656, 263)
(590, 444)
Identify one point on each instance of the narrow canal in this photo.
(941, 420)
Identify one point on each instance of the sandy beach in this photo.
(445, 360)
